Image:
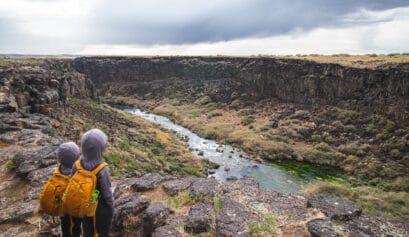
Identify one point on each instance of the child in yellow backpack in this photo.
(93, 143)
(51, 195)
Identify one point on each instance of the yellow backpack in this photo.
(81, 197)
(52, 193)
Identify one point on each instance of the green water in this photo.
(293, 176)
(308, 171)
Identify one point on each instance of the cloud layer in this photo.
(237, 27)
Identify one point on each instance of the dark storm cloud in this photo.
(64, 26)
(186, 21)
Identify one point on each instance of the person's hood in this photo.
(67, 154)
(93, 143)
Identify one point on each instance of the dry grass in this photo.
(358, 61)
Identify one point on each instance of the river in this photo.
(233, 162)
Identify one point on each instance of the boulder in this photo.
(147, 182)
(128, 215)
(334, 207)
(17, 214)
(321, 228)
(173, 187)
(123, 186)
(30, 160)
(166, 231)
(39, 177)
(33, 194)
(200, 217)
(155, 216)
(232, 219)
(205, 187)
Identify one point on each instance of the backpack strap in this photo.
(99, 168)
(78, 165)
(57, 170)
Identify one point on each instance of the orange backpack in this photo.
(78, 198)
(52, 194)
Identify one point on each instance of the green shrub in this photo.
(315, 138)
(323, 147)
(352, 149)
(246, 112)
(217, 202)
(124, 145)
(112, 158)
(214, 114)
(10, 165)
(395, 153)
(278, 137)
(247, 120)
(266, 226)
(322, 157)
(350, 128)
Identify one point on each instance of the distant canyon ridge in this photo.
(383, 89)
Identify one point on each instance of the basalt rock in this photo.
(16, 214)
(321, 228)
(39, 177)
(205, 187)
(200, 217)
(146, 182)
(155, 216)
(173, 187)
(166, 231)
(123, 186)
(334, 207)
(263, 200)
(37, 88)
(232, 219)
(129, 211)
(31, 160)
(377, 226)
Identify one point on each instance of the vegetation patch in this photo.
(247, 120)
(266, 226)
(10, 165)
(370, 199)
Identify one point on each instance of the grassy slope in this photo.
(135, 146)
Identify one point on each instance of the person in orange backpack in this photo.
(93, 143)
(51, 195)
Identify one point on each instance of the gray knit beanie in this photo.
(67, 154)
(93, 143)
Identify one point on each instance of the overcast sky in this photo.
(203, 27)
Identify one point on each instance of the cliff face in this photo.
(38, 86)
(381, 90)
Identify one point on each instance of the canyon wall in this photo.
(37, 86)
(225, 79)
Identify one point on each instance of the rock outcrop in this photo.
(36, 88)
(32, 95)
(334, 207)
